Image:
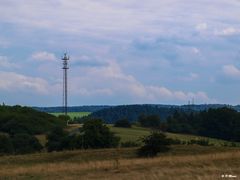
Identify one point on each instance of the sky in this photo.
(121, 51)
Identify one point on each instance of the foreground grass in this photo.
(182, 162)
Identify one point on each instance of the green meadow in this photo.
(134, 133)
(73, 114)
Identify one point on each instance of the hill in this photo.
(113, 113)
(94, 108)
(59, 109)
(132, 112)
(17, 119)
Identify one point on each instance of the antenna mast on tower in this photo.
(65, 90)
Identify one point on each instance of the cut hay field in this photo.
(182, 162)
(73, 114)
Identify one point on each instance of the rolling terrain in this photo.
(135, 133)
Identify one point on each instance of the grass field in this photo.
(134, 133)
(73, 114)
(182, 162)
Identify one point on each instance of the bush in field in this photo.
(25, 143)
(153, 144)
(122, 123)
(95, 134)
(6, 146)
(56, 139)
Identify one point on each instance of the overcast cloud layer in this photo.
(122, 51)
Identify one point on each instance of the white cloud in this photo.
(110, 81)
(201, 26)
(44, 56)
(11, 81)
(5, 63)
(190, 77)
(231, 71)
(227, 31)
(195, 50)
(112, 19)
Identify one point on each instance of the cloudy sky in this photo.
(122, 51)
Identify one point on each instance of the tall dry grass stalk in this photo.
(207, 166)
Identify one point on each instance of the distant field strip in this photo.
(73, 114)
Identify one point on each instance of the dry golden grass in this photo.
(202, 166)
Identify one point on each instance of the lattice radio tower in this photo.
(65, 59)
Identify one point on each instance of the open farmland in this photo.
(73, 114)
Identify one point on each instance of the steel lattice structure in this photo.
(65, 83)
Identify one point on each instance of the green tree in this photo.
(122, 123)
(95, 134)
(25, 143)
(56, 139)
(6, 146)
(152, 121)
(153, 144)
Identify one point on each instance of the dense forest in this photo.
(17, 119)
(94, 108)
(222, 123)
(132, 112)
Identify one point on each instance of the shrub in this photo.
(95, 134)
(56, 139)
(153, 144)
(6, 146)
(25, 143)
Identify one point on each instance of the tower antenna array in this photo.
(65, 60)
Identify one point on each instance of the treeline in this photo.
(222, 123)
(71, 109)
(94, 108)
(18, 120)
(131, 112)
